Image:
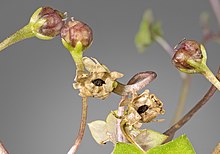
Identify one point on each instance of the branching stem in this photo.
(172, 130)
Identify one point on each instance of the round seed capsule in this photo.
(98, 82)
(142, 109)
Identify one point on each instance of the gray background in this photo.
(39, 110)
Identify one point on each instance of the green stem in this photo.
(77, 57)
(172, 130)
(211, 77)
(20, 35)
(204, 70)
(182, 98)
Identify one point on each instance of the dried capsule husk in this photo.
(77, 31)
(98, 82)
(143, 108)
(188, 50)
(148, 106)
(132, 117)
(47, 22)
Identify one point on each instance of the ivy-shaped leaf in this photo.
(126, 148)
(180, 145)
(143, 37)
(148, 31)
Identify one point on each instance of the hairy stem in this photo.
(172, 130)
(182, 99)
(82, 126)
(21, 34)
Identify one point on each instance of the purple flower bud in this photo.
(188, 50)
(77, 31)
(54, 22)
(47, 22)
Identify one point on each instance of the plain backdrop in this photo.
(39, 110)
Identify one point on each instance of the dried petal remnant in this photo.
(98, 81)
(154, 106)
(142, 108)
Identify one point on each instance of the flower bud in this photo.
(74, 32)
(47, 23)
(188, 50)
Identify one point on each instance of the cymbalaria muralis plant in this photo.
(123, 126)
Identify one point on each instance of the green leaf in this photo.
(180, 145)
(156, 30)
(148, 31)
(143, 37)
(126, 148)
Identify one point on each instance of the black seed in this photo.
(98, 82)
(142, 109)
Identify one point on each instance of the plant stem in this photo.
(216, 8)
(137, 82)
(2, 149)
(82, 126)
(120, 137)
(77, 57)
(182, 99)
(128, 136)
(185, 83)
(172, 130)
(20, 35)
(211, 77)
(163, 43)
